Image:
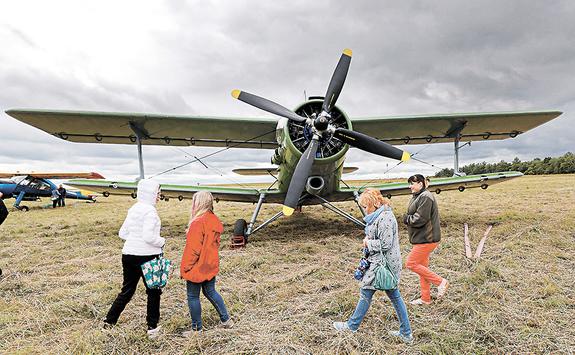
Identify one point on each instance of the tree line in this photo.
(561, 165)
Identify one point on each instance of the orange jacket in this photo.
(201, 261)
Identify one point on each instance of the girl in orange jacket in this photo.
(200, 261)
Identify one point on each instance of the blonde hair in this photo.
(372, 198)
(202, 202)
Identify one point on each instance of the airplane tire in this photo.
(166, 198)
(461, 188)
(105, 194)
(240, 227)
(180, 198)
(438, 191)
(134, 195)
(0, 272)
(484, 186)
(24, 208)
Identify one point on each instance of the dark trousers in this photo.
(61, 202)
(55, 202)
(132, 274)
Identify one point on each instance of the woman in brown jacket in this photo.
(422, 221)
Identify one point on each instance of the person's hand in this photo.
(405, 218)
(365, 242)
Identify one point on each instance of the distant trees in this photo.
(561, 165)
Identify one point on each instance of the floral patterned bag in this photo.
(156, 272)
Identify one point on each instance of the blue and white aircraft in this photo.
(32, 186)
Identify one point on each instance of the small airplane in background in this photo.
(33, 185)
(309, 146)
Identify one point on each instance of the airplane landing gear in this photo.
(242, 230)
(23, 208)
(239, 237)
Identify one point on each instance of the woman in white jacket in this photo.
(141, 232)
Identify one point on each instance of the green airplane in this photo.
(309, 143)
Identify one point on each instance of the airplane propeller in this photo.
(321, 127)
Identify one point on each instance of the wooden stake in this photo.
(467, 244)
(482, 242)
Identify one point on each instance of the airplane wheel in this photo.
(180, 198)
(484, 186)
(166, 198)
(438, 191)
(105, 194)
(24, 208)
(239, 238)
(134, 195)
(461, 188)
(0, 272)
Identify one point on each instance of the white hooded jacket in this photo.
(141, 229)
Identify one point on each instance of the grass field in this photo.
(62, 271)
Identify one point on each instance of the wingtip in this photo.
(347, 52)
(287, 211)
(405, 156)
(236, 93)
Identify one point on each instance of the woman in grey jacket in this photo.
(382, 242)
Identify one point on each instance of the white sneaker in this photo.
(442, 288)
(419, 302)
(408, 339)
(227, 324)
(154, 333)
(342, 326)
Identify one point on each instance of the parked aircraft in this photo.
(32, 186)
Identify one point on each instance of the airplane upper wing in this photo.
(118, 128)
(180, 191)
(44, 175)
(440, 128)
(437, 185)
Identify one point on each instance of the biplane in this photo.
(308, 146)
(31, 186)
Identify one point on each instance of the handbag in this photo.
(156, 272)
(385, 280)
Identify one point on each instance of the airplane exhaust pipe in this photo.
(314, 185)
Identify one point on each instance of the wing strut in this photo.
(140, 133)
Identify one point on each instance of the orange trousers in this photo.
(418, 262)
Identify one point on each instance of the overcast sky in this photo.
(184, 57)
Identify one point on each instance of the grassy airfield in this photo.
(62, 270)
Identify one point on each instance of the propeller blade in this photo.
(266, 105)
(370, 144)
(337, 80)
(300, 175)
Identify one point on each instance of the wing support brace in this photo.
(455, 132)
(141, 133)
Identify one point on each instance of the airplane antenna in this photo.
(304, 95)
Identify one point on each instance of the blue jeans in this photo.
(365, 297)
(209, 290)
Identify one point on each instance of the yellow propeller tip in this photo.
(347, 52)
(236, 93)
(287, 211)
(405, 156)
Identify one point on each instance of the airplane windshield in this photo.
(32, 182)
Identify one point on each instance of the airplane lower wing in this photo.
(44, 175)
(437, 185)
(108, 188)
(180, 192)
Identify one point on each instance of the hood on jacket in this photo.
(148, 191)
